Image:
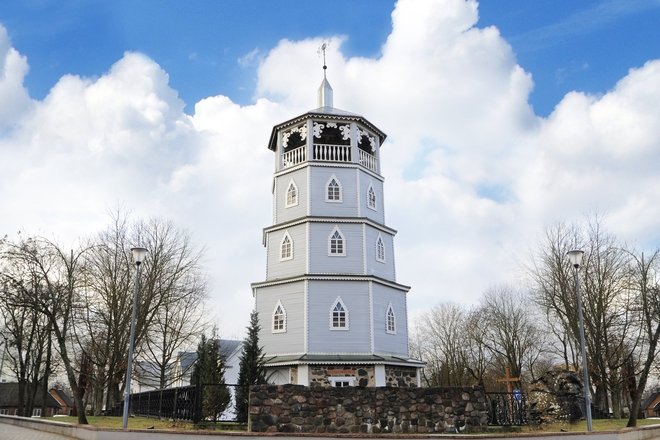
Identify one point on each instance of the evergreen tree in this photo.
(209, 375)
(252, 370)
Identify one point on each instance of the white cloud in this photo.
(13, 96)
(473, 176)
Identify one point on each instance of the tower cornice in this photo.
(316, 219)
(330, 113)
(330, 277)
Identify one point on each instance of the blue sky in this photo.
(499, 124)
(565, 44)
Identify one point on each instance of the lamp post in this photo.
(575, 258)
(138, 257)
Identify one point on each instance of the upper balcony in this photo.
(336, 136)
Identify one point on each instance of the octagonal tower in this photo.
(330, 308)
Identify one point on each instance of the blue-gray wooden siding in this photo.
(292, 296)
(386, 343)
(321, 297)
(318, 180)
(320, 262)
(282, 213)
(377, 215)
(297, 265)
(374, 267)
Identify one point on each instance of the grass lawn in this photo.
(133, 422)
(602, 425)
(581, 426)
(150, 423)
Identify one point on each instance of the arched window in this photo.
(286, 247)
(333, 191)
(390, 320)
(380, 249)
(336, 245)
(371, 198)
(279, 318)
(338, 315)
(291, 194)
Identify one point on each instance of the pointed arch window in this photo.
(390, 320)
(371, 198)
(336, 244)
(380, 249)
(291, 194)
(338, 315)
(333, 191)
(279, 318)
(286, 247)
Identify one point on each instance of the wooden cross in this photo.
(509, 380)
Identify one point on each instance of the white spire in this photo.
(325, 90)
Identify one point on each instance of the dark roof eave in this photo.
(272, 142)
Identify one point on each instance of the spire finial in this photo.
(321, 52)
(325, 91)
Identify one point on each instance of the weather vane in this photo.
(321, 51)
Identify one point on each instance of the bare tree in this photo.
(170, 304)
(57, 299)
(609, 331)
(443, 344)
(25, 333)
(646, 285)
(510, 330)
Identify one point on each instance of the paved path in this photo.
(11, 432)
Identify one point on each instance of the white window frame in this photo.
(370, 205)
(334, 231)
(341, 190)
(346, 315)
(4, 412)
(380, 249)
(36, 412)
(391, 329)
(290, 253)
(350, 380)
(283, 315)
(294, 202)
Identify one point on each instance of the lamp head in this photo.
(139, 253)
(575, 257)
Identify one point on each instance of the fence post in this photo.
(197, 417)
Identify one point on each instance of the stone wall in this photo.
(400, 376)
(363, 374)
(296, 408)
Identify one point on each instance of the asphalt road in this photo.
(11, 432)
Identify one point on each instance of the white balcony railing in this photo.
(368, 161)
(332, 153)
(328, 153)
(294, 157)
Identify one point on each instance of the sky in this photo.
(503, 118)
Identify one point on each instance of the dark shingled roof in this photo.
(9, 397)
(227, 347)
(68, 401)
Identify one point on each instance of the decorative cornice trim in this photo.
(315, 219)
(331, 277)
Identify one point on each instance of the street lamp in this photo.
(575, 258)
(138, 257)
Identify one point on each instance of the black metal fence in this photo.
(506, 409)
(188, 403)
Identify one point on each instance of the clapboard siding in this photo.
(284, 214)
(321, 262)
(374, 267)
(292, 296)
(319, 177)
(322, 296)
(386, 343)
(377, 215)
(296, 265)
